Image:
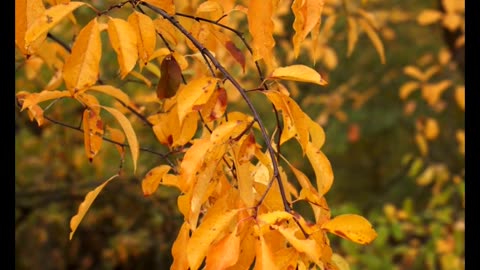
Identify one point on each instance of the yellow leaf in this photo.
(307, 14)
(201, 190)
(426, 177)
(351, 227)
(429, 16)
(166, 29)
(26, 12)
(264, 259)
(247, 247)
(460, 135)
(32, 67)
(273, 218)
(414, 72)
(216, 221)
(153, 178)
(352, 35)
(146, 35)
(129, 133)
(373, 36)
(194, 95)
(260, 25)
(460, 97)
(192, 161)
(93, 133)
(452, 21)
(112, 91)
(210, 7)
(180, 261)
(299, 73)
(307, 246)
(117, 136)
(30, 99)
(433, 91)
(407, 89)
(82, 67)
(421, 144)
(48, 20)
(216, 105)
(317, 134)
(308, 192)
(330, 58)
(431, 129)
(185, 133)
(224, 253)
(139, 76)
(453, 5)
(166, 5)
(231, 129)
(322, 168)
(124, 41)
(85, 205)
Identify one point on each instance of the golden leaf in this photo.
(124, 42)
(351, 227)
(26, 12)
(192, 161)
(166, 29)
(431, 129)
(215, 222)
(452, 21)
(307, 246)
(28, 100)
(460, 97)
(414, 72)
(429, 16)
(352, 35)
(180, 261)
(139, 76)
(273, 218)
(322, 168)
(421, 144)
(48, 20)
(460, 135)
(85, 205)
(166, 5)
(153, 178)
(194, 95)
(112, 91)
(433, 91)
(260, 25)
(93, 133)
(340, 262)
(264, 259)
(146, 35)
(215, 106)
(299, 73)
(224, 253)
(82, 67)
(317, 134)
(407, 89)
(117, 136)
(307, 14)
(186, 131)
(373, 36)
(129, 133)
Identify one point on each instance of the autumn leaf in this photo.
(93, 133)
(215, 106)
(307, 246)
(236, 53)
(194, 95)
(171, 78)
(178, 248)
(322, 168)
(352, 33)
(48, 20)
(460, 97)
(82, 67)
(146, 36)
(373, 36)
(166, 29)
(299, 73)
(307, 14)
(264, 259)
(166, 5)
(118, 94)
(260, 25)
(429, 16)
(224, 253)
(30, 99)
(153, 178)
(26, 12)
(351, 227)
(85, 205)
(117, 136)
(124, 41)
(129, 133)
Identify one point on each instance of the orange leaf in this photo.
(48, 20)
(26, 12)
(224, 253)
(264, 256)
(178, 249)
(307, 15)
(216, 105)
(429, 16)
(146, 36)
(30, 99)
(216, 221)
(124, 41)
(166, 29)
(299, 73)
(322, 168)
(129, 132)
(81, 68)
(351, 227)
(112, 91)
(153, 178)
(117, 136)
(352, 35)
(414, 72)
(93, 133)
(407, 89)
(431, 129)
(85, 205)
(460, 97)
(307, 246)
(192, 161)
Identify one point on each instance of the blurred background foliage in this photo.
(394, 136)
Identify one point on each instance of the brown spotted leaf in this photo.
(352, 227)
(93, 133)
(171, 77)
(153, 178)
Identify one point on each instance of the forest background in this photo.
(393, 115)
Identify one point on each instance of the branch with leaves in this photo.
(235, 193)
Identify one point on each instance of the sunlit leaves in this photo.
(194, 95)
(322, 168)
(112, 91)
(166, 5)
(146, 36)
(82, 67)
(352, 227)
(153, 178)
(123, 38)
(224, 253)
(299, 73)
(85, 205)
(26, 12)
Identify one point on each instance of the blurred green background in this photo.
(413, 197)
